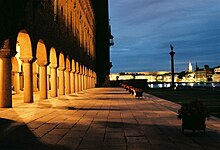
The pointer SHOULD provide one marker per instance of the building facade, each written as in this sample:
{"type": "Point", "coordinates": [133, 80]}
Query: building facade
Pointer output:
{"type": "Point", "coordinates": [48, 45]}
{"type": "Point", "coordinates": [103, 64]}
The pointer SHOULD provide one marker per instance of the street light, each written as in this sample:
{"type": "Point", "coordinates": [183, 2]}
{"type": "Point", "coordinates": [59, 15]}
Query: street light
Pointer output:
{"type": "Point", "coordinates": [172, 53]}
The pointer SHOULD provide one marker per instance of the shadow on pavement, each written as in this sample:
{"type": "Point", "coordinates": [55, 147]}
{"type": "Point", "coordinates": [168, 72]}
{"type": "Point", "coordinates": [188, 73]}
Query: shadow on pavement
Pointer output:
{"type": "Point", "coordinates": [101, 109]}
{"type": "Point", "coordinates": [17, 136]}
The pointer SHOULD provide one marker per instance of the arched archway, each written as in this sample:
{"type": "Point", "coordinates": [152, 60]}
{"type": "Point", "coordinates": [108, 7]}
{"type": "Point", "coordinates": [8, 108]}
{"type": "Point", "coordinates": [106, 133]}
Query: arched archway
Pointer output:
{"type": "Point", "coordinates": [53, 69]}
{"type": "Point", "coordinates": [24, 41]}
{"type": "Point", "coordinates": [26, 56]}
{"type": "Point", "coordinates": [42, 62]}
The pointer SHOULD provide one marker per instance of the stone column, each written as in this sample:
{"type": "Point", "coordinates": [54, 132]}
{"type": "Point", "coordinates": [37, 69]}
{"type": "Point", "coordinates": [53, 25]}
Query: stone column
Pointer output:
{"type": "Point", "coordinates": [83, 81]}
{"type": "Point", "coordinates": [80, 78]}
{"type": "Point", "coordinates": [67, 81]}
{"type": "Point", "coordinates": [35, 78]}
{"type": "Point", "coordinates": [80, 81]}
{"type": "Point", "coordinates": [76, 82]}
{"type": "Point", "coordinates": [48, 79]}
{"type": "Point", "coordinates": [72, 82]}
{"type": "Point", "coordinates": [17, 82]}
{"type": "Point", "coordinates": [43, 81]}
{"type": "Point", "coordinates": [61, 81]}
{"type": "Point", "coordinates": [28, 80]}
{"type": "Point", "coordinates": [35, 89]}
{"type": "Point", "coordinates": [89, 79]}
{"type": "Point", "coordinates": [53, 92]}
{"type": "Point", "coordinates": [5, 79]}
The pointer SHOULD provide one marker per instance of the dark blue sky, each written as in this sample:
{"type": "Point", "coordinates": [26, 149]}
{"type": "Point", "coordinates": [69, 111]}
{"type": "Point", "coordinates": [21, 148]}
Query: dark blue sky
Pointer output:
{"type": "Point", "coordinates": [144, 29]}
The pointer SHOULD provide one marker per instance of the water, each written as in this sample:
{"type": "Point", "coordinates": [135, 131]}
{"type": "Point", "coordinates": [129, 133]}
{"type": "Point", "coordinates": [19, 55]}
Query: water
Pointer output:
{"type": "Point", "coordinates": [184, 84]}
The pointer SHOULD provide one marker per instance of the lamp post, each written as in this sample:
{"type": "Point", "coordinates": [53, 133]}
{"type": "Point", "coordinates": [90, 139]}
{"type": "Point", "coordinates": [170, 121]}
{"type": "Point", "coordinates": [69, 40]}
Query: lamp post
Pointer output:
{"type": "Point", "coordinates": [172, 53]}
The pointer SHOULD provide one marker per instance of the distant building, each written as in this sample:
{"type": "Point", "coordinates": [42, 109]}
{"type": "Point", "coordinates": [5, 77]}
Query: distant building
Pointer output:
{"type": "Point", "coordinates": [190, 68]}
{"type": "Point", "coordinates": [204, 74]}
{"type": "Point", "coordinates": [216, 75]}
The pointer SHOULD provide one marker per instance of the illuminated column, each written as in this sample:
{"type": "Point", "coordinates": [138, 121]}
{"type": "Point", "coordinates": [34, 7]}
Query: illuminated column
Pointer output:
{"type": "Point", "coordinates": [43, 81]}
{"type": "Point", "coordinates": [72, 77]}
{"type": "Point", "coordinates": [79, 82]}
{"type": "Point", "coordinates": [5, 78]}
{"type": "Point", "coordinates": [94, 79]}
{"type": "Point", "coordinates": [77, 77]}
{"type": "Point", "coordinates": [35, 89]}
{"type": "Point", "coordinates": [61, 81]}
{"type": "Point", "coordinates": [89, 79]}
{"type": "Point", "coordinates": [83, 79]}
{"type": "Point", "coordinates": [28, 79]}
{"type": "Point", "coordinates": [80, 78]}
{"type": "Point", "coordinates": [35, 73]}
{"type": "Point", "coordinates": [48, 78]}
{"type": "Point", "coordinates": [72, 82]}
{"type": "Point", "coordinates": [67, 80]}
{"type": "Point", "coordinates": [76, 82]}
{"type": "Point", "coordinates": [17, 82]}
{"type": "Point", "coordinates": [53, 92]}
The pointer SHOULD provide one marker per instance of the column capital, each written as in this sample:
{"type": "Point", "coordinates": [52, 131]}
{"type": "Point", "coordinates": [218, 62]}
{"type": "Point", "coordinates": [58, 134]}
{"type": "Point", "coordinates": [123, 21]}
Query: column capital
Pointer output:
{"type": "Point", "coordinates": [5, 53]}
{"type": "Point", "coordinates": [67, 70]}
{"type": "Point", "coordinates": [42, 63]}
{"type": "Point", "coordinates": [54, 66]}
{"type": "Point", "coordinates": [73, 71]}
{"type": "Point", "coordinates": [26, 59]}
{"type": "Point", "coordinates": [61, 68]}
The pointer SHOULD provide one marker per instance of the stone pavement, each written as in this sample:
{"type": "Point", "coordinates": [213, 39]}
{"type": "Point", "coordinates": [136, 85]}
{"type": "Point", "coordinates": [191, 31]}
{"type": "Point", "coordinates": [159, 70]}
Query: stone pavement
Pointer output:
{"type": "Point", "coordinates": [100, 118]}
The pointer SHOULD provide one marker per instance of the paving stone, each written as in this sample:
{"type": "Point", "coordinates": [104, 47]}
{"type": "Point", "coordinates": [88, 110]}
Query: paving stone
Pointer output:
{"type": "Point", "coordinates": [100, 118]}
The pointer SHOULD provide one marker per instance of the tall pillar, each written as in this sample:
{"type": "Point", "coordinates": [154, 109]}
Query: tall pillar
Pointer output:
{"type": "Point", "coordinates": [17, 82]}
{"type": "Point", "coordinates": [89, 79]}
{"type": "Point", "coordinates": [5, 78]}
{"type": "Point", "coordinates": [35, 82]}
{"type": "Point", "coordinates": [85, 79]}
{"type": "Point", "coordinates": [80, 77]}
{"type": "Point", "coordinates": [80, 81]}
{"type": "Point", "coordinates": [72, 82]}
{"type": "Point", "coordinates": [48, 79]}
{"type": "Point", "coordinates": [67, 81]}
{"type": "Point", "coordinates": [61, 81]}
{"type": "Point", "coordinates": [22, 81]}
{"type": "Point", "coordinates": [76, 82]}
{"type": "Point", "coordinates": [28, 80]}
{"type": "Point", "coordinates": [35, 78]}
{"type": "Point", "coordinates": [43, 81]}
{"type": "Point", "coordinates": [172, 53]}
{"type": "Point", "coordinates": [53, 92]}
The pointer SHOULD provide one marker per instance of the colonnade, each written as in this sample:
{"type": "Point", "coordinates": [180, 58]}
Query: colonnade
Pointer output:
{"type": "Point", "coordinates": [57, 80]}
{"type": "Point", "coordinates": [71, 78]}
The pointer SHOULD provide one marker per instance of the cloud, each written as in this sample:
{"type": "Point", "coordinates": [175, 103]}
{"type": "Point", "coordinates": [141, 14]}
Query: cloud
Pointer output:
{"type": "Point", "coordinates": [144, 29]}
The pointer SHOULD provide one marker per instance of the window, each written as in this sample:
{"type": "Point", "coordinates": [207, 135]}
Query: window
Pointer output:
{"type": "Point", "coordinates": [55, 10]}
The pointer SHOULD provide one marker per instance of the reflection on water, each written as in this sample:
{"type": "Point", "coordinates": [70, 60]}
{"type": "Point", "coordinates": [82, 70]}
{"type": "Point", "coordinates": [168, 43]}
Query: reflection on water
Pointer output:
{"type": "Point", "coordinates": [184, 84]}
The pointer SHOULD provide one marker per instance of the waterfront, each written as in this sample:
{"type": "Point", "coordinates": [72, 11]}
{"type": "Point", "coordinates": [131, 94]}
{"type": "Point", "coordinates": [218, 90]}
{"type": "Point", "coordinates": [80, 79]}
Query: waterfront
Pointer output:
{"type": "Point", "coordinates": [184, 84]}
